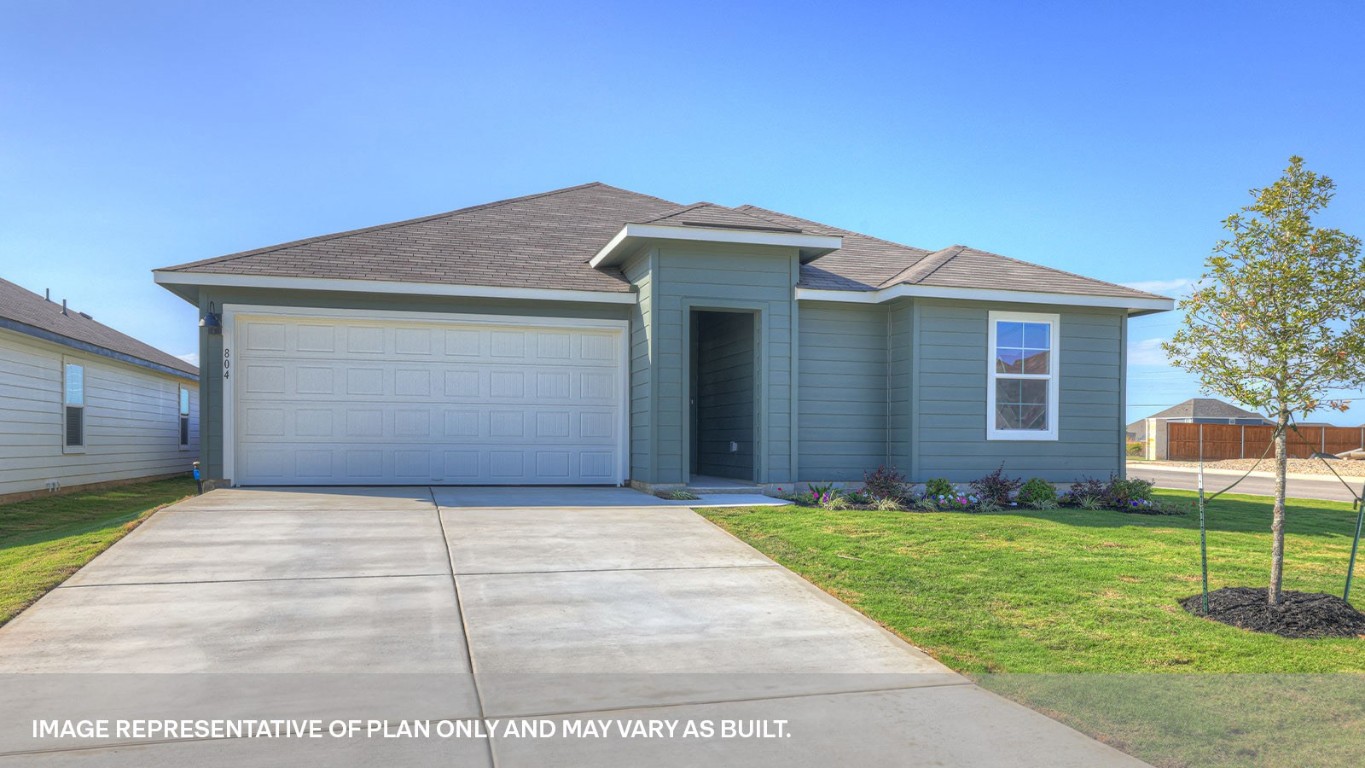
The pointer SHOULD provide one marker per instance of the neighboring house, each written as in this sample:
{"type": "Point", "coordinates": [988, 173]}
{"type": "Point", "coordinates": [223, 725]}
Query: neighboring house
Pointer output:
{"type": "Point", "coordinates": [84, 404]}
{"type": "Point", "coordinates": [1199, 410]}
{"type": "Point", "coordinates": [594, 335]}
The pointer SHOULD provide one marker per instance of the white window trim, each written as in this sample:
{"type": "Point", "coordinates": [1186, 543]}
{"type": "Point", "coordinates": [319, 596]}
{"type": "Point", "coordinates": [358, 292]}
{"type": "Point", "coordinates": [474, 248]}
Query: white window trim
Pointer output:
{"type": "Point", "coordinates": [1054, 376]}
{"type": "Point", "coordinates": [85, 423]}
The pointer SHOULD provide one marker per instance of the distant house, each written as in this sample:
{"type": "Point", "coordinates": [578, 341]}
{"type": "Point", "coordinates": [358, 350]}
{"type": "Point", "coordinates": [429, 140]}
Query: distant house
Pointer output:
{"type": "Point", "coordinates": [1198, 410]}
{"type": "Point", "coordinates": [84, 404]}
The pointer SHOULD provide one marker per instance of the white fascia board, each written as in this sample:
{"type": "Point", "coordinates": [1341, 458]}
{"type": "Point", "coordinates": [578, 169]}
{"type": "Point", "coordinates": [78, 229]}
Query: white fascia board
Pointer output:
{"type": "Point", "coordinates": [614, 251]}
{"type": "Point", "coordinates": [1134, 306]}
{"type": "Point", "coordinates": [205, 279]}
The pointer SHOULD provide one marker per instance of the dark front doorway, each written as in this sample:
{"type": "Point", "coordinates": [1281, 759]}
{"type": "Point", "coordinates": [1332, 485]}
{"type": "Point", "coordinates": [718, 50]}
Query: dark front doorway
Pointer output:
{"type": "Point", "coordinates": [722, 392]}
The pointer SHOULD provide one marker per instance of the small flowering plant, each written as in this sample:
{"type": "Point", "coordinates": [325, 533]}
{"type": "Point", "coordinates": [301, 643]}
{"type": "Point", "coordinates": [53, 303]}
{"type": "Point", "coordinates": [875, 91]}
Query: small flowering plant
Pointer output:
{"type": "Point", "coordinates": [960, 502]}
{"type": "Point", "coordinates": [821, 495]}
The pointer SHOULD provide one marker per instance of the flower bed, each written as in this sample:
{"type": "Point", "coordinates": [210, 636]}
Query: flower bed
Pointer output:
{"type": "Point", "coordinates": [886, 489]}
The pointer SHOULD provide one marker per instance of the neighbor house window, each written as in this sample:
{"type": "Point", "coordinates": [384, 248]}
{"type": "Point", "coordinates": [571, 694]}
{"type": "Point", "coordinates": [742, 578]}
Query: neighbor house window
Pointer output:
{"type": "Point", "coordinates": [73, 398]}
{"type": "Point", "coordinates": [184, 417]}
{"type": "Point", "coordinates": [1021, 396]}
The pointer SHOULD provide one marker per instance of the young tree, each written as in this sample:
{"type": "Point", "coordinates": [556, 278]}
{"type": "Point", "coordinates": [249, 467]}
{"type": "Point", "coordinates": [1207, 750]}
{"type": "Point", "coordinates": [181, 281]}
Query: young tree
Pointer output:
{"type": "Point", "coordinates": [1278, 320]}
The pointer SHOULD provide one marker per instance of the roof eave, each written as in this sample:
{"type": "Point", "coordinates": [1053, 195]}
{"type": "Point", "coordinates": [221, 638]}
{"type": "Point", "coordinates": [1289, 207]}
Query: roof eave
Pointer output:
{"type": "Point", "coordinates": [181, 283]}
{"type": "Point", "coordinates": [1134, 305]}
{"type": "Point", "coordinates": [632, 236]}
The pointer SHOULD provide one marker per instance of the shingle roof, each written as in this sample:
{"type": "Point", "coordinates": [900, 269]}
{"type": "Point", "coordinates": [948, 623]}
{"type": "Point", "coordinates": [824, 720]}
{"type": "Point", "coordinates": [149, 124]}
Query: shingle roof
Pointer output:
{"type": "Point", "coordinates": [536, 241]}
{"type": "Point", "coordinates": [546, 240]}
{"type": "Point", "coordinates": [1205, 408]}
{"type": "Point", "coordinates": [30, 309]}
{"type": "Point", "coordinates": [712, 215]}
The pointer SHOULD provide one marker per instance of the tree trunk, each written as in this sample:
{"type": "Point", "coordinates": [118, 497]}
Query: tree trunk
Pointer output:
{"type": "Point", "coordinates": [1277, 515]}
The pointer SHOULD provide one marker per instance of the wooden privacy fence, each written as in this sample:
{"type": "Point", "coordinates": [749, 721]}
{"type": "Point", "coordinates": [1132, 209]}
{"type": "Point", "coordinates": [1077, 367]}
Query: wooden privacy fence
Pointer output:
{"type": "Point", "coordinates": [1238, 441]}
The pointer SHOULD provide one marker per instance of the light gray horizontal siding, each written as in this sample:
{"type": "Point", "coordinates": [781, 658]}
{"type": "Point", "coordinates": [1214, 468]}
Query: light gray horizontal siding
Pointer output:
{"type": "Point", "coordinates": [951, 382]}
{"type": "Point", "coordinates": [842, 420]}
{"type": "Point", "coordinates": [132, 419]}
{"type": "Point", "coordinates": [642, 382]}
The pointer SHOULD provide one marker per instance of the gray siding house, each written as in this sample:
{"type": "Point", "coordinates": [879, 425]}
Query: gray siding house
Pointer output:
{"type": "Point", "coordinates": [82, 404]}
{"type": "Point", "coordinates": [594, 335]}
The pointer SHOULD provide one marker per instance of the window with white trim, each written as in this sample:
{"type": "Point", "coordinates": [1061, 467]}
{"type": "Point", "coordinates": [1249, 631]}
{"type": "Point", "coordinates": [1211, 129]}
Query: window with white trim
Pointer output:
{"type": "Point", "coordinates": [1021, 394]}
{"type": "Point", "coordinates": [184, 418]}
{"type": "Point", "coordinates": [73, 402]}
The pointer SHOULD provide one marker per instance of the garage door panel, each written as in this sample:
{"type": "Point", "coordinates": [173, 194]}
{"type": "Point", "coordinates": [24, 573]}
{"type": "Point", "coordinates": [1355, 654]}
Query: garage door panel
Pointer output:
{"type": "Point", "coordinates": [414, 402]}
{"type": "Point", "coordinates": [375, 421]}
{"type": "Point", "coordinates": [526, 463]}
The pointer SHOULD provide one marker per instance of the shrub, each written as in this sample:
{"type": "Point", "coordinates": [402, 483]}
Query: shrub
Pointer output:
{"type": "Point", "coordinates": [1124, 492]}
{"type": "Point", "coordinates": [1136, 449]}
{"type": "Point", "coordinates": [682, 494]}
{"type": "Point", "coordinates": [1090, 503]}
{"type": "Point", "coordinates": [859, 498]}
{"type": "Point", "coordinates": [837, 501]}
{"type": "Point", "coordinates": [887, 505]}
{"type": "Point", "coordinates": [996, 487]}
{"type": "Point", "coordinates": [1088, 489]}
{"type": "Point", "coordinates": [885, 483]}
{"type": "Point", "coordinates": [938, 486]}
{"type": "Point", "coordinates": [1038, 493]}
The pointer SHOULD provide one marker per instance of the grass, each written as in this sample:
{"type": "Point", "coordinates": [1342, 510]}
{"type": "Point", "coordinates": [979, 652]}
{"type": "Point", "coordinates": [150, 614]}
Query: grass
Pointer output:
{"type": "Point", "coordinates": [1071, 611]}
{"type": "Point", "coordinates": [46, 539]}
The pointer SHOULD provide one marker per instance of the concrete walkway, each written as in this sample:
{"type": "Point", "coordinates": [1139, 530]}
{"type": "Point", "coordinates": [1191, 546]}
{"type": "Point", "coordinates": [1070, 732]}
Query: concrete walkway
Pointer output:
{"type": "Point", "coordinates": [574, 605]}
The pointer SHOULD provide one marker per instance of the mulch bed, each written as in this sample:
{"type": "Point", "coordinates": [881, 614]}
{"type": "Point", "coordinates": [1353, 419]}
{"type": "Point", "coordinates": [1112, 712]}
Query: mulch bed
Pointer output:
{"type": "Point", "coordinates": [1300, 614]}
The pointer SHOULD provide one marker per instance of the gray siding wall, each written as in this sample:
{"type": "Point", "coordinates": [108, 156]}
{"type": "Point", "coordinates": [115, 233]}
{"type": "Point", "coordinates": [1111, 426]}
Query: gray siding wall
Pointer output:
{"type": "Point", "coordinates": [723, 343]}
{"type": "Point", "coordinates": [900, 330]}
{"type": "Point", "coordinates": [950, 390]}
{"type": "Point", "coordinates": [701, 276]}
{"type": "Point", "coordinates": [640, 273]}
{"type": "Point", "coordinates": [211, 347]}
{"type": "Point", "coordinates": [844, 390]}
{"type": "Point", "coordinates": [132, 418]}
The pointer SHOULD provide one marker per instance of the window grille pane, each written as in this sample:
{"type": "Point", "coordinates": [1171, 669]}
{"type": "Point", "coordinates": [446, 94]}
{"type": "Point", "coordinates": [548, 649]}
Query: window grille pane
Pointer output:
{"type": "Point", "coordinates": [75, 426]}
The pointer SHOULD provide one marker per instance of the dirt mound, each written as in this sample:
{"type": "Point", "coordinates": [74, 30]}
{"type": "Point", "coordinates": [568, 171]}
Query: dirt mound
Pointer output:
{"type": "Point", "coordinates": [1300, 614]}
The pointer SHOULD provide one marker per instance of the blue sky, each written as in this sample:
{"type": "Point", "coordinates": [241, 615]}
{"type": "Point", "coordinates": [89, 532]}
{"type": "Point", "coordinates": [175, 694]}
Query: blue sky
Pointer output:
{"type": "Point", "coordinates": [1104, 138]}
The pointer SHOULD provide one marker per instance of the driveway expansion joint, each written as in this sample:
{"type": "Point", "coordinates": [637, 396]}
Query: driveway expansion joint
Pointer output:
{"type": "Point", "coordinates": [251, 581]}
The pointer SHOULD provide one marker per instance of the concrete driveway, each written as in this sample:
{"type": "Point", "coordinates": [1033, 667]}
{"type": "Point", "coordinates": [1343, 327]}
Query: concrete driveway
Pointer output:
{"type": "Point", "coordinates": [570, 605]}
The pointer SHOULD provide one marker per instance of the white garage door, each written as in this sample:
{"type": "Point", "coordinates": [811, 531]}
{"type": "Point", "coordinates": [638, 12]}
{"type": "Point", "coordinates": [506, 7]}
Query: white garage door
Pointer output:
{"type": "Point", "coordinates": [365, 400]}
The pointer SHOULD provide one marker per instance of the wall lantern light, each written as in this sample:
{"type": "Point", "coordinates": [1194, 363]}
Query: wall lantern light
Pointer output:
{"type": "Point", "coordinates": [211, 321]}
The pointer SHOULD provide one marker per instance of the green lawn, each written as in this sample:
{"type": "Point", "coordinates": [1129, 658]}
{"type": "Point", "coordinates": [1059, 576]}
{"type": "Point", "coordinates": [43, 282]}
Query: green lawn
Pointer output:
{"type": "Point", "coordinates": [1071, 611]}
{"type": "Point", "coordinates": [45, 540]}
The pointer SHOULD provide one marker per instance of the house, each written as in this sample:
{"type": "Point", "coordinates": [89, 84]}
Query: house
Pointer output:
{"type": "Point", "coordinates": [84, 404]}
{"type": "Point", "coordinates": [594, 335]}
{"type": "Point", "coordinates": [1198, 410]}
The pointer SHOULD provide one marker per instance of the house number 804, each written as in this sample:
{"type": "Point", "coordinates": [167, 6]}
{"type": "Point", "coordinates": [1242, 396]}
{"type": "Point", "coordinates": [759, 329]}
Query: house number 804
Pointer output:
{"type": "Point", "coordinates": [227, 363]}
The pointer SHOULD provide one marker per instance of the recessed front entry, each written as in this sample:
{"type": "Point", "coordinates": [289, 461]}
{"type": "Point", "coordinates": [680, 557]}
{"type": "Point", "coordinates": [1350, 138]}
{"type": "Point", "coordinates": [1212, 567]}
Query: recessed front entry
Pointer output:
{"type": "Point", "coordinates": [722, 394]}
{"type": "Point", "coordinates": [356, 400]}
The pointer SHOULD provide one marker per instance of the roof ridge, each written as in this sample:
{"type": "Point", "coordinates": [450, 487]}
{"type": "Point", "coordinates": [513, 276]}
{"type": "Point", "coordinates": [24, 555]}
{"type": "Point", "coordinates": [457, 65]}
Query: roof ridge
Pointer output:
{"type": "Point", "coordinates": [676, 212]}
{"type": "Point", "coordinates": [922, 269]}
{"type": "Point", "coordinates": [840, 230]}
{"type": "Point", "coordinates": [379, 227]}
